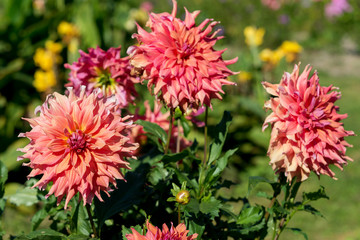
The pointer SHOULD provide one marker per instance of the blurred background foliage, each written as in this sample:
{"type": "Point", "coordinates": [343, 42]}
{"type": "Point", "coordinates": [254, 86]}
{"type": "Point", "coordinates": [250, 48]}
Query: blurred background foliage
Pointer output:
{"type": "Point", "coordinates": [29, 25]}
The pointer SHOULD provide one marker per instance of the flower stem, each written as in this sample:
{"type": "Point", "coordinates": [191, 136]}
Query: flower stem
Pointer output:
{"type": "Point", "coordinates": [178, 137]}
{"type": "Point", "coordinates": [205, 136]}
{"type": "Point", "coordinates": [88, 209]}
{"type": "Point", "coordinates": [169, 132]}
{"type": "Point", "coordinates": [179, 215]}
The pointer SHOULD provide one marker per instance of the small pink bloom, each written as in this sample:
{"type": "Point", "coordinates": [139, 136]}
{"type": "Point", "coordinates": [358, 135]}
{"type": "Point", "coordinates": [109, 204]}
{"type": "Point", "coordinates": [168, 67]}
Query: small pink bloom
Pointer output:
{"type": "Point", "coordinates": [154, 233]}
{"type": "Point", "coordinates": [161, 119]}
{"type": "Point", "coordinates": [337, 8]}
{"type": "Point", "coordinates": [104, 70]}
{"type": "Point", "coordinates": [79, 143]}
{"type": "Point", "coordinates": [178, 59]}
{"type": "Point", "coordinates": [307, 134]}
{"type": "Point", "coordinates": [272, 4]}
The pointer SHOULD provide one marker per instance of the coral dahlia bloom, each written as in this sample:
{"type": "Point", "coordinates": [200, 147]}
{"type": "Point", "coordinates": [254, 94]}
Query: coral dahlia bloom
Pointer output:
{"type": "Point", "coordinates": [178, 59]}
{"type": "Point", "coordinates": [307, 134]}
{"type": "Point", "coordinates": [161, 119]}
{"type": "Point", "coordinates": [104, 70]}
{"type": "Point", "coordinates": [154, 233]}
{"type": "Point", "coordinates": [79, 144]}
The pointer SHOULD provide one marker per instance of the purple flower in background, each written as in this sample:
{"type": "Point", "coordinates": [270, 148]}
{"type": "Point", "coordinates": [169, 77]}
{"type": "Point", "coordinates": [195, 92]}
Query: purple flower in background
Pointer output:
{"type": "Point", "coordinates": [337, 8]}
{"type": "Point", "coordinates": [284, 19]}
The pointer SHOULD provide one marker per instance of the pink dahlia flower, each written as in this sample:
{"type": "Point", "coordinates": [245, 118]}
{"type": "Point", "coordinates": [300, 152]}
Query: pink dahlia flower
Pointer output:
{"type": "Point", "coordinates": [178, 59]}
{"type": "Point", "coordinates": [161, 119]}
{"type": "Point", "coordinates": [307, 134]}
{"type": "Point", "coordinates": [154, 233]}
{"type": "Point", "coordinates": [79, 144]}
{"type": "Point", "coordinates": [104, 70]}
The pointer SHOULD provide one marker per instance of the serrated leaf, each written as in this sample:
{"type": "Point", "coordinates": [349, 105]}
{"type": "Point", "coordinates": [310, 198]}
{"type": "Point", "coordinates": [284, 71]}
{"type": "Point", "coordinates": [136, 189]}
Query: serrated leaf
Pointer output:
{"type": "Point", "coordinates": [38, 217]}
{"type": "Point", "coordinates": [193, 206]}
{"type": "Point", "coordinates": [250, 215]}
{"type": "Point", "coordinates": [313, 196]}
{"type": "Point", "coordinates": [219, 134]}
{"type": "Point", "coordinates": [157, 174]}
{"type": "Point", "coordinates": [182, 178]}
{"type": "Point", "coordinates": [153, 129]}
{"type": "Point", "coordinates": [312, 210]}
{"type": "Point", "coordinates": [77, 236]}
{"type": "Point", "coordinates": [210, 206]}
{"type": "Point", "coordinates": [194, 227]}
{"type": "Point", "coordinates": [26, 196]}
{"type": "Point", "coordinates": [298, 231]}
{"type": "Point", "coordinates": [80, 222]}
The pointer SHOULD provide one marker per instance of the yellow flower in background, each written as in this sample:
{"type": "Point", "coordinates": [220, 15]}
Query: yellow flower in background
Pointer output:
{"type": "Point", "coordinates": [244, 76]}
{"type": "Point", "coordinates": [44, 59]}
{"type": "Point", "coordinates": [270, 56]}
{"type": "Point", "coordinates": [291, 50]}
{"type": "Point", "coordinates": [44, 80]}
{"type": "Point", "coordinates": [68, 29]}
{"type": "Point", "coordinates": [53, 46]}
{"type": "Point", "coordinates": [254, 36]}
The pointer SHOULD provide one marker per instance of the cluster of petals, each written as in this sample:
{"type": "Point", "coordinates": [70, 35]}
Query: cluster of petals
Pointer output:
{"type": "Point", "coordinates": [105, 70]}
{"type": "Point", "coordinates": [178, 59]}
{"type": "Point", "coordinates": [154, 233]}
{"type": "Point", "coordinates": [337, 8]}
{"type": "Point", "coordinates": [79, 143]}
{"type": "Point", "coordinates": [307, 134]}
{"type": "Point", "coordinates": [161, 119]}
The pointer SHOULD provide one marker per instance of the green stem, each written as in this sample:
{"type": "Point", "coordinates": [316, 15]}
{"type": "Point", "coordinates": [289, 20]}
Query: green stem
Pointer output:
{"type": "Point", "coordinates": [205, 136]}
{"type": "Point", "coordinates": [178, 137]}
{"type": "Point", "coordinates": [88, 209]}
{"type": "Point", "coordinates": [179, 215]}
{"type": "Point", "coordinates": [274, 232]}
{"type": "Point", "coordinates": [169, 132]}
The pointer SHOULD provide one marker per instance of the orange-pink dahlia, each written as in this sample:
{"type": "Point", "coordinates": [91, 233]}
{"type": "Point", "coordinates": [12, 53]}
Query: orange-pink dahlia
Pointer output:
{"type": "Point", "coordinates": [178, 59]}
{"type": "Point", "coordinates": [104, 70]}
{"type": "Point", "coordinates": [79, 143]}
{"type": "Point", "coordinates": [306, 131]}
{"type": "Point", "coordinates": [154, 233]}
{"type": "Point", "coordinates": [161, 119]}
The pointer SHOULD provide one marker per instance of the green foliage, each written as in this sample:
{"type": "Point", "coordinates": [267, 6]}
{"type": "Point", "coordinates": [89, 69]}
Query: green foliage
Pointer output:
{"type": "Point", "coordinates": [155, 133]}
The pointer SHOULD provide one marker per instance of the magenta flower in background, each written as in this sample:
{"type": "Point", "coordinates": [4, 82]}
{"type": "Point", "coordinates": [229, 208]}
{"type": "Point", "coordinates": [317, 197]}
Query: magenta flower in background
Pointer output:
{"type": "Point", "coordinates": [336, 8]}
{"type": "Point", "coordinates": [79, 143]}
{"type": "Point", "coordinates": [178, 59]}
{"type": "Point", "coordinates": [104, 70]}
{"type": "Point", "coordinates": [307, 134]}
{"type": "Point", "coordinates": [272, 4]}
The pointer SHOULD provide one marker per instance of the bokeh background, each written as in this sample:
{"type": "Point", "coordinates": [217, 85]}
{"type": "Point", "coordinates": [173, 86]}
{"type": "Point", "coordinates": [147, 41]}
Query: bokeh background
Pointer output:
{"type": "Point", "coordinates": [38, 36]}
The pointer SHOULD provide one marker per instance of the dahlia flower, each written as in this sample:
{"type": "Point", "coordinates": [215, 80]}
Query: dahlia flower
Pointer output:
{"type": "Point", "coordinates": [79, 144]}
{"type": "Point", "coordinates": [307, 134]}
{"type": "Point", "coordinates": [178, 59]}
{"type": "Point", "coordinates": [104, 70]}
{"type": "Point", "coordinates": [161, 119]}
{"type": "Point", "coordinates": [154, 233]}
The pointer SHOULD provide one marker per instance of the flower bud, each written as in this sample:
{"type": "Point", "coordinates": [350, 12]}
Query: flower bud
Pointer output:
{"type": "Point", "coordinates": [183, 197]}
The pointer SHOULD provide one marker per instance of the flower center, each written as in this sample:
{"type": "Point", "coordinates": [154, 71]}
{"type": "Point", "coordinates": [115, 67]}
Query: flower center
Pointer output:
{"type": "Point", "coordinates": [185, 51]}
{"type": "Point", "coordinates": [104, 81]}
{"type": "Point", "coordinates": [77, 141]}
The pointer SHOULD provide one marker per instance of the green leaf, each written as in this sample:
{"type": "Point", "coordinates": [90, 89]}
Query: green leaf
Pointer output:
{"type": "Point", "coordinates": [43, 234]}
{"type": "Point", "coordinates": [80, 221]}
{"type": "Point", "coordinates": [250, 215]}
{"type": "Point", "coordinates": [223, 161]}
{"type": "Point", "coordinates": [210, 206]}
{"type": "Point", "coordinates": [26, 196]}
{"type": "Point", "coordinates": [37, 219]}
{"type": "Point", "coordinates": [313, 196]}
{"type": "Point", "coordinates": [312, 210]}
{"type": "Point", "coordinates": [175, 157]}
{"type": "Point", "coordinates": [183, 178]}
{"type": "Point", "coordinates": [153, 129]}
{"type": "Point", "coordinates": [125, 196]}
{"type": "Point", "coordinates": [219, 134]}
{"type": "Point", "coordinates": [3, 178]}
{"type": "Point", "coordinates": [298, 231]}
{"type": "Point", "coordinates": [77, 236]}
{"type": "Point", "coordinates": [194, 227]}
{"type": "Point", "coordinates": [157, 173]}
{"type": "Point", "coordinates": [185, 125]}
{"type": "Point", "coordinates": [193, 206]}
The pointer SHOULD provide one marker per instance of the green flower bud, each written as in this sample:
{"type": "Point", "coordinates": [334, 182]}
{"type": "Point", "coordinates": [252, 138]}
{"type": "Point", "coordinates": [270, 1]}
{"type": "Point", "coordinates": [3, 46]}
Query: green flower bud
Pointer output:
{"type": "Point", "coordinates": [183, 197]}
